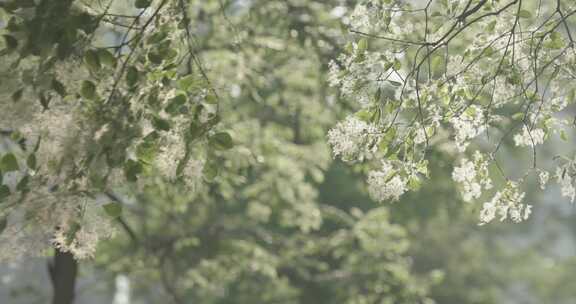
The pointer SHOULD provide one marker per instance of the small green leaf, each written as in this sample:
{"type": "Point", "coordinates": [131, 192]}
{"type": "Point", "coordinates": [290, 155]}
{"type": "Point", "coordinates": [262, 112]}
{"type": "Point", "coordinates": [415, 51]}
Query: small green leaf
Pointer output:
{"type": "Point", "coordinates": [563, 135]}
{"type": "Point", "coordinates": [17, 95]}
{"type": "Point", "coordinates": [155, 58]}
{"type": "Point", "coordinates": [23, 184]}
{"type": "Point", "coordinates": [174, 106]}
{"type": "Point", "coordinates": [106, 58]}
{"type": "Point", "coordinates": [88, 90]}
{"type": "Point", "coordinates": [211, 98]}
{"type": "Point", "coordinates": [556, 41]}
{"type": "Point", "coordinates": [132, 169]}
{"type": "Point", "coordinates": [414, 183]}
{"type": "Point", "coordinates": [58, 87]}
{"type": "Point", "coordinates": [92, 60]}
{"type": "Point", "coordinates": [132, 76]}
{"type": "Point", "coordinates": [362, 45]}
{"type": "Point", "coordinates": [161, 124]}
{"type": "Point", "coordinates": [31, 162]}
{"type": "Point", "coordinates": [9, 163]}
{"type": "Point", "coordinates": [186, 82]}
{"type": "Point", "coordinates": [11, 42]}
{"type": "Point", "coordinates": [157, 37]}
{"type": "Point", "coordinates": [524, 14]}
{"type": "Point", "coordinates": [3, 224]}
{"type": "Point", "coordinates": [44, 100]}
{"type": "Point", "coordinates": [221, 141]}
{"type": "Point", "coordinates": [142, 3]}
{"type": "Point", "coordinates": [518, 116]}
{"type": "Point", "coordinates": [4, 192]}
{"type": "Point", "coordinates": [210, 171]}
{"type": "Point", "coordinates": [113, 210]}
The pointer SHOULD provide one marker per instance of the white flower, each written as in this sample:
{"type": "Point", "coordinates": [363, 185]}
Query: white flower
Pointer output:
{"type": "Point", "coordinates": [420, 137]}
{"type": "Point", "coordinates": [386, 184]}
{"type": "Point", "coordinates": [543, 178]}
{"type": "Point", "coordinates": [354, 139]}
{"type": "Point", "coordinates": [529, 137]}
{"type": "Point", "coordinates": [506, 204]}
{"type": "Point", "coordinates": [472, 176]}
{"type": "Point", "coordinates": [467, 126]}
{"type": "Point", "coordinates": [566, 186]}
{"type": "Point", "coordinates": [488, 212]}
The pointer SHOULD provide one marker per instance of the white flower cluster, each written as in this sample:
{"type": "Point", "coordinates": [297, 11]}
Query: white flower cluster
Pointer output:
{"type": "Point", "coordinates": [486, 85]}
{"type": "Point", "coordinates": [354, 139]}
{"type": "Point", "coordinates": [467, 126]}
{"type": "Point", "coordinates": [543, 178]}
{"type": "Point", "coordinates": [386, 185]}
{"type": "Point", "coordinates": [368, 16]}
{"type": "Point", "coordinates": [564, 178]}
{"type": "Point", "coordinates": [507, 204]}
{"type": "Point", "coordinates": [473, 176]}
{"type": "Point", "coordinates": [71, 223]}
{"type": "Point", "coordinates": [393, 179]}
{"type": "Point", "coordinates": [529, 138]}
{"type": "Point", "coordinates": [79, 234]}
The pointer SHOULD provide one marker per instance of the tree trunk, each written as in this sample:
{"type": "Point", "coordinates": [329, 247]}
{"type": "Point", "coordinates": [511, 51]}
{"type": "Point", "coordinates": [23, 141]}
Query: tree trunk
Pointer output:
{"type": "Point", "coordinates": [63, 270]}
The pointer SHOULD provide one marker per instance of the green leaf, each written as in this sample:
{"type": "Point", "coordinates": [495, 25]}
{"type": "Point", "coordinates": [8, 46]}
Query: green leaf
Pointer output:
{"type": "Point", "coordinates": [17, 95]}
{"type": "Point", "coordinates": [44, 100]}
{"type": "Point", "coordinates": [142, 3]}
{"type": "Point", "coordinates": [155, 57]}
{"type": "Point", "coordinates": [88, 90]}
{"type": "Point", "coordinates": [132, 76]}
{"type": "Point", "coordinates": [92, 60]}
{"type": "Point", "coordinates": [414, 183]}
{"type": "Point", "coordinates": [563, 135]}
{"type": "Point", "coordinates": [556, 41]}
{"type": "Point", "coordinates": [58, 87]}
{"type": "Point", "coordinates": [9, 163]}
{"type": "Point", "coordinates": [11, 42]}
{"type": "Point", "coordinates": [23, 184]}
{"type": "Point", "coordinates": [113, 209]}
{"type": "Point", "coordinates": [221, 141]}
{"type": "Point", "coordinates": [3, 224]}
{"type": "Point", "coordinates": [211, 98]}
{"type": "Point", "coordinates": [157, 37]}
{"type": "Point", "coordinates": [362, 45]}
{"type": "Point", "coordinates": [210, 171]}
{"type": "Point", "coordinates": [132, 169]}
{"type": "Point", "coordinates": [106, 58]}
{"type": "Point", "coordinates": [186, 82]}
{"type": "Point", "coordinates": [524, 14]}
{"type": "Point", "coordinates": [195, 131]}
{"type": "Point", "coordinates": [161, 124]}
{"type": "Point", "coordinates": [4, 192]}
{"type": "Point", "coordinates": [31, 162]}
{"type": "Point", "coordinates": [174, 106]}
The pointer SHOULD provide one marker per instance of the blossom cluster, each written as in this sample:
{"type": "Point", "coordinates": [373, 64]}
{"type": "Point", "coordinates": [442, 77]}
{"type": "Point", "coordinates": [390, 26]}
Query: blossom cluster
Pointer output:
{"type": "Point", "coordinates": [466, 88]}
{"type": "Point", "coordinates": [473, 176]}
{"type": "Point", "coordinates": [507, 204]}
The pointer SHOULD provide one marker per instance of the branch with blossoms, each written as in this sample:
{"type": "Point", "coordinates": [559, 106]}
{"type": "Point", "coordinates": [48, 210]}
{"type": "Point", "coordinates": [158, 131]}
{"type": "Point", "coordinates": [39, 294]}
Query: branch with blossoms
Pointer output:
{"type": "Point", "coordinates": [477, 74]}
{"type": "Point", "coordinates": [90, 118]}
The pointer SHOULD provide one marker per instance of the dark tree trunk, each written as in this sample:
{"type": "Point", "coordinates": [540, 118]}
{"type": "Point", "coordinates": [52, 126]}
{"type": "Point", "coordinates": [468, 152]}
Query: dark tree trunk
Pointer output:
{"type": "Point", "coordinates": [63, 270]}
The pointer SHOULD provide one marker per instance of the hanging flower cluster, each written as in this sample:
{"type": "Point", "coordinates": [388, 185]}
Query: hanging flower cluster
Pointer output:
{"type": "Point", "coordinates": [91, 119]}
